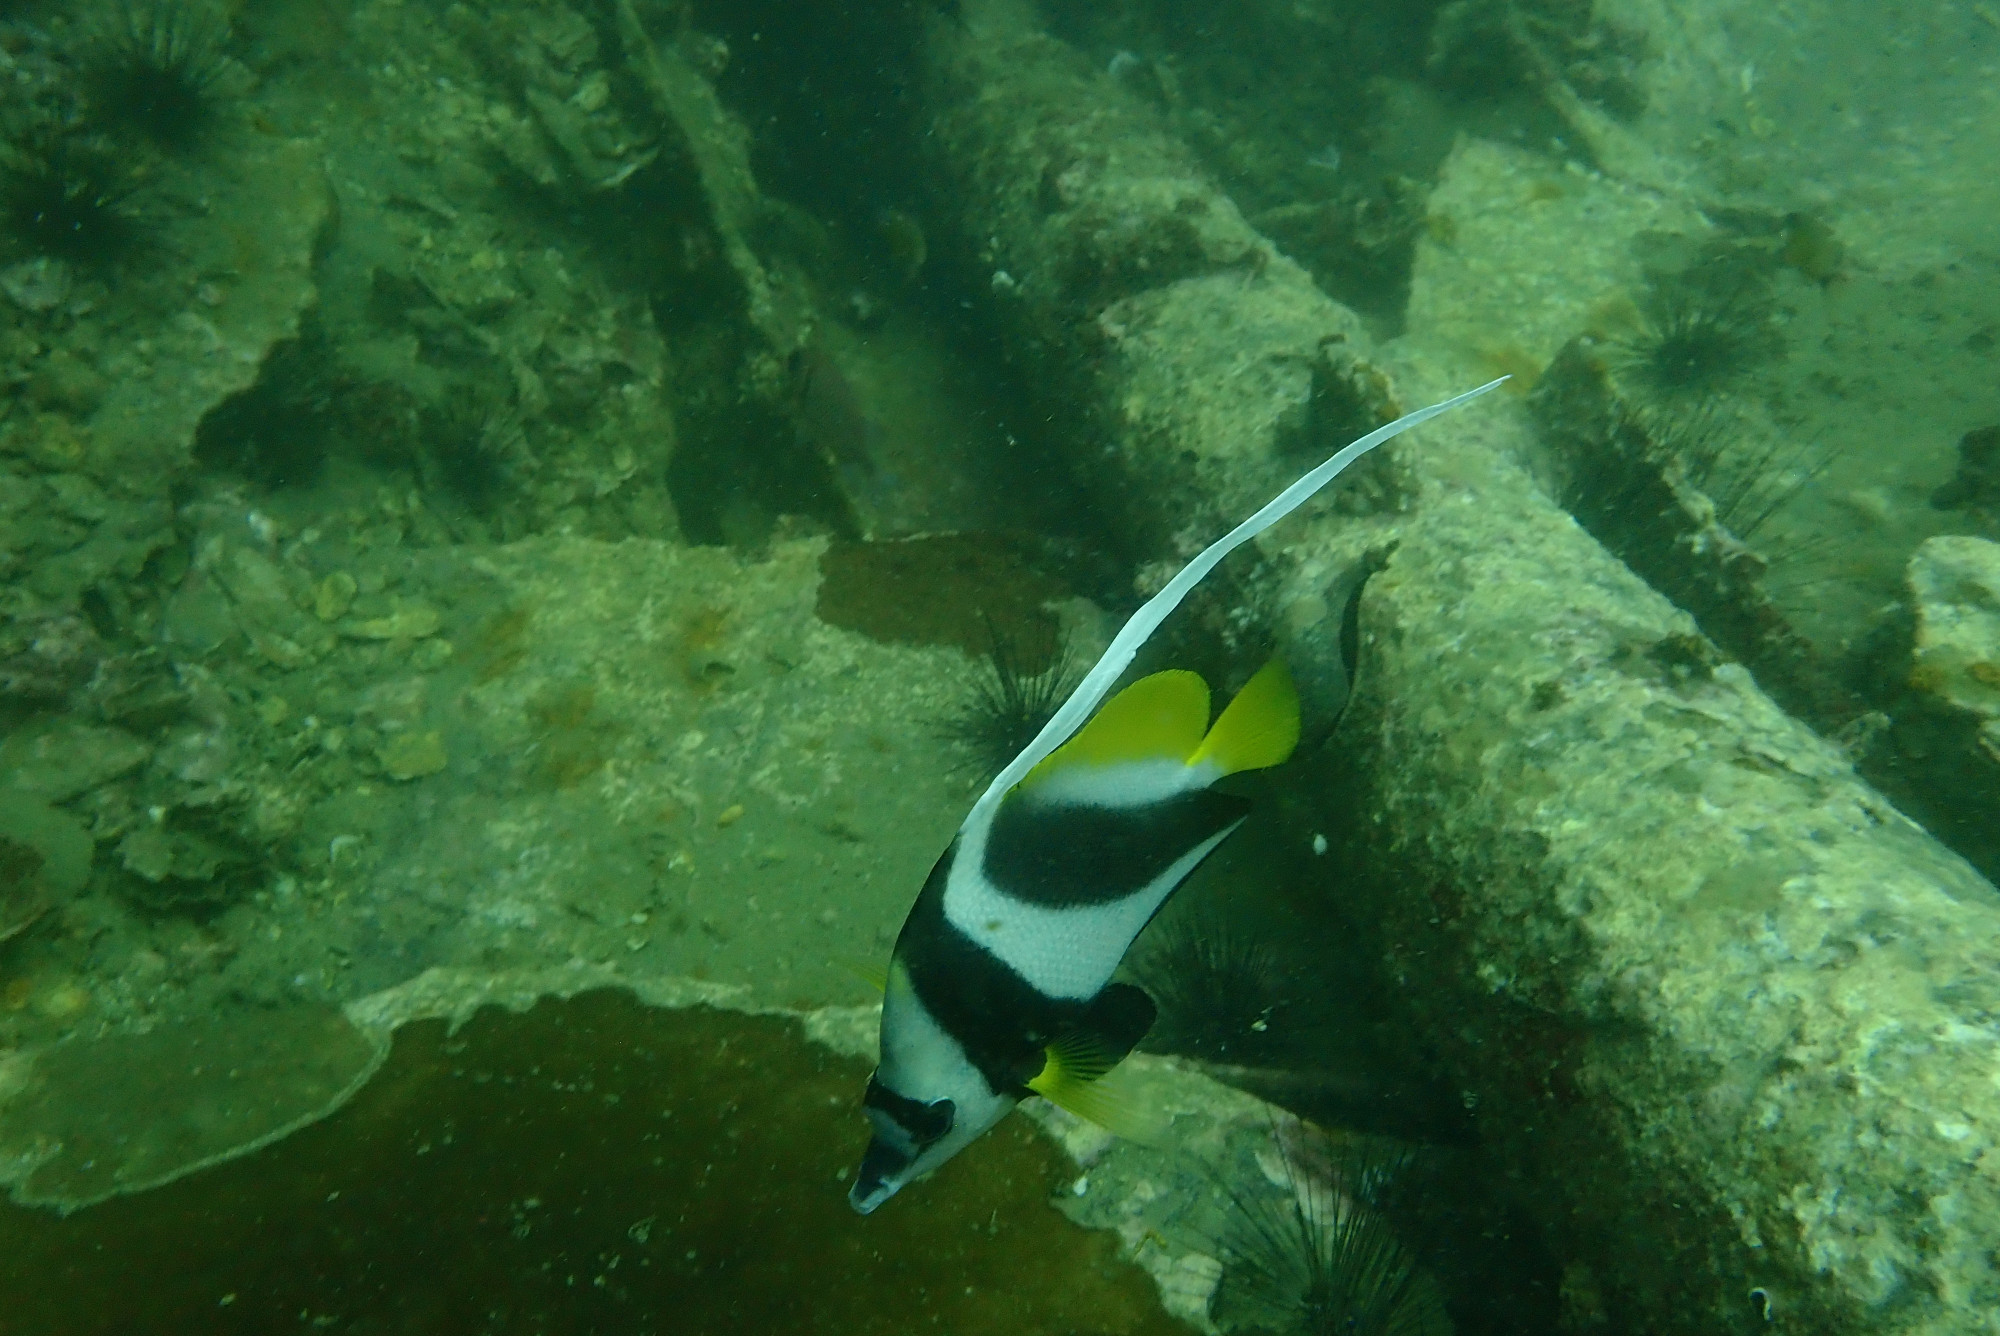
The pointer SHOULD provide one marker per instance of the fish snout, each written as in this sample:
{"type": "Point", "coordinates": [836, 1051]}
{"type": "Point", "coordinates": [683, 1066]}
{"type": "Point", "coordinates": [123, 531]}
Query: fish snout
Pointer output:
{"type": "Point", "coordinates": [884, 1169]}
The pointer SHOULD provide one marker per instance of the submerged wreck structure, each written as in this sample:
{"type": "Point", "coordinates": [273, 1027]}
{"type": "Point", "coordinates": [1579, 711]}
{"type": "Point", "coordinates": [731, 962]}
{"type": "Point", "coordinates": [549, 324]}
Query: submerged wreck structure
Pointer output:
{"type": "Point", "coordinates": [1726, 1013]}
{"type": "Point", "coordinates": [522, 567]}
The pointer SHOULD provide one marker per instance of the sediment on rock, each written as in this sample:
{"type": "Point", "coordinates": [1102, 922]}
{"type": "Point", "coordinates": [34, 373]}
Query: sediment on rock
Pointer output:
{"type": "Point", "coordinates": [1719, 1003]}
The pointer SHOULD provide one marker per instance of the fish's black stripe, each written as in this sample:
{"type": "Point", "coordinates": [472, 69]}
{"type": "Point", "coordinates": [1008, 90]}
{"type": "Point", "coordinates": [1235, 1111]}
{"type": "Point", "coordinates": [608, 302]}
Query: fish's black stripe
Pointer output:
{"type": "Point", "coordinates": [1066, 854]}
{"type": "Point", "coordinates": [1002, 1021]}
{"type": "Point", "coordinates": [926, 1123]}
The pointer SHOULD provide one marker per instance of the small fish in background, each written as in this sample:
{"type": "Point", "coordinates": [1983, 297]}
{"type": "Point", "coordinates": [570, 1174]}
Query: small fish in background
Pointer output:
{"type": "Point", "coordinates": [1000, 982]}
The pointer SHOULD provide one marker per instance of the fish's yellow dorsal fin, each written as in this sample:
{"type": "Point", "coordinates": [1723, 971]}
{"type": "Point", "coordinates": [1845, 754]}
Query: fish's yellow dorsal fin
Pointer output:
{"type": "Point", "coordinates": [1259, 728]}
{"type": "Point", "coordinates": [1161, 716]}
{"type": "Point", "coordinates": [1079, 1077]}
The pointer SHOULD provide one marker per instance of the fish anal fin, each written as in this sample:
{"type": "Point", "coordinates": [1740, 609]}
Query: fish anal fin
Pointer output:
{"type": "Point", "coordinates": [1259, 728]}
{"type": "Point", "coordinates": [1160, 716]}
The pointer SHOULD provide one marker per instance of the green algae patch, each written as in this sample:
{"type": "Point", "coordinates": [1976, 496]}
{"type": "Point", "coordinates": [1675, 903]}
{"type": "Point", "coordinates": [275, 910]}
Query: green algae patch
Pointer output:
{"type": "Point", "coordinates": [590, 1165]}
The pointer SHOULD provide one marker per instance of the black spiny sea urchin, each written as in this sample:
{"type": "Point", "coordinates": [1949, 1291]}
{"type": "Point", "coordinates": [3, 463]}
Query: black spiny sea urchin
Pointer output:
{"type": "Point", "coordinates": [1219, 992]}
{"type": "Point", "coordinates": [67, 194]}
{"type": "Point", "coordinates": [1007, 703]}
{"type": "Point", "coordinates": [1698, 339]}
{"type": "Point", "coordinates": [157, 68]}
{"type": "Point", "coordinates": [1319, 1258]}
{"type": "Point", "coordinates": [469, 448]}
{"type": "Point", "coordinates": [1750, 476]}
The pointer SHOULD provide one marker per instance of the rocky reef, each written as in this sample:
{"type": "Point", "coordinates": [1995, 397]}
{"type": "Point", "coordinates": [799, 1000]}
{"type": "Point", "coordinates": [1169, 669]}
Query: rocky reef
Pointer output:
{"type": "Point", "coordinates": [513, 505]}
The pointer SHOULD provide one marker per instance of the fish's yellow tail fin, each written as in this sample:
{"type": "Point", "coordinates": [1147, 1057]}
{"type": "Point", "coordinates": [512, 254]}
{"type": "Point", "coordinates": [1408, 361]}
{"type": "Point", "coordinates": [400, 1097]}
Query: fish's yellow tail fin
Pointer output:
{"type": "Point", "coordinates": [1260, 727]}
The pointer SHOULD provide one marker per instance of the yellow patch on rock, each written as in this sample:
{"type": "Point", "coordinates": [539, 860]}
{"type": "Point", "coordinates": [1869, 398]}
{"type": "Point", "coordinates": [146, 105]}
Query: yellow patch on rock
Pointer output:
{"type": "Point", "coordinates": [408, 621]}
{"type": "Point", "coordinates": [413, 755]}
{"type": "Point", "coordinates": [333, 596]}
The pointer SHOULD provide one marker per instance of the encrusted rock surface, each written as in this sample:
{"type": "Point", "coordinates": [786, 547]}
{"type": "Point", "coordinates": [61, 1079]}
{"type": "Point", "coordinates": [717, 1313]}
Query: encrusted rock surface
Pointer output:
{"type": "Point", "coordinates": [635, 759]}
{"type": "Point", "coordinates": [1955, 586]}
{"type": "Point", "coordinates": [1211, 368]}
{"type": "Point", "coordinates": [1725, 1009]}
{"type": "Point", "coordinates": [1710, 988]}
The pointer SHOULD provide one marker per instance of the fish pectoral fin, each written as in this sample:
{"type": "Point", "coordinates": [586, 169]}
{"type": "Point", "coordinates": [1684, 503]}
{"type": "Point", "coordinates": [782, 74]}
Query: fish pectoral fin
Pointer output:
{"type": "Point", "coordinates": [1108, 1099]}
{"type": "Point", "coordinates": [1117, 1019]}
{"type": "Point", "coordinates": [1259, 728]}
{"type": "Point", "coordinates": [1080, 1072]}
{"type": "Point", "coordinates": [1100, 1034]}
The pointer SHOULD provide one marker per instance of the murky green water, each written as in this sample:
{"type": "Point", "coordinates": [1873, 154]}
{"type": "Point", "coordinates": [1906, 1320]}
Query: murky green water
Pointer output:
{"type": "Point", "coordinates": [574, 500]}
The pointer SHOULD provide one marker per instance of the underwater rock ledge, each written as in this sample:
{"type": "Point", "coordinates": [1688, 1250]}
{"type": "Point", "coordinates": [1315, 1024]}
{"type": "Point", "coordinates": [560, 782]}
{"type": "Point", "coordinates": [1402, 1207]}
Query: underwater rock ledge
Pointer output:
{"type": "Point", "coordinates": [1706, 984]}
{"type": "Point", "coordinates": [545, 1152]}
{"type": "Point", "coordinates": [1725, 1012]}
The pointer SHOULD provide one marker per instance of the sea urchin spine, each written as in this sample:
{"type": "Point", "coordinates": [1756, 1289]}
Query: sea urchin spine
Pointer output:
{"type": "Point", "coordinates": [1321, 1259]}
{"type": "Point", "coordinates": [66, 194]}
{"type": "Point", "coordinates": [158, 69]}
{"type": "Point", "coordinates": [1698, 339]}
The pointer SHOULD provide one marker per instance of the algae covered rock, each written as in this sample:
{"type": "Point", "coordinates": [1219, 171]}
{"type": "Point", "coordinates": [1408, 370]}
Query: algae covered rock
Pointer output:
{"type": "Point", "coordinates": [519, 379]}
{"type": "Point", "coordinates": [1946, 664]}
{"type": "Point", "coordinates": [1955, 586]}
{"type": "Point", "coordinates": [62, 758]}
{"type": "Point", "coordinates": [121, 378]}
{"type": "Point", "coordinates": [414, 755]}
{"type": "Point", "coordinates": [45, 857]}
{"type": "Point", "coordinates": [160, 362]}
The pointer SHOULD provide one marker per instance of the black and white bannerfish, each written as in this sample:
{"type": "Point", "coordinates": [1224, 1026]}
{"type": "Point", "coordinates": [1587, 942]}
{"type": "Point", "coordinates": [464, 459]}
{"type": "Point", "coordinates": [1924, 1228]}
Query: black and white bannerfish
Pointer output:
{"type": "Point", "coordinates": [1000, 983]}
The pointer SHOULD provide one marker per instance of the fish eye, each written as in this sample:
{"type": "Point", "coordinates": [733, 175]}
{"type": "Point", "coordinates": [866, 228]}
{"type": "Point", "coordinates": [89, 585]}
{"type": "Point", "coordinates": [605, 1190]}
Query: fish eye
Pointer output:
{"type": "Point", "coordinates": [925, 1122]}
{"type": "Point", "coordinates": [938, 1117]}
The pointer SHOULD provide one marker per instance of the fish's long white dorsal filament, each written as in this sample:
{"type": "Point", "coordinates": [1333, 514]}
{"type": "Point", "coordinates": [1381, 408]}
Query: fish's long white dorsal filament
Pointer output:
{"type": "Point", "coordinates": [1104, 674]}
